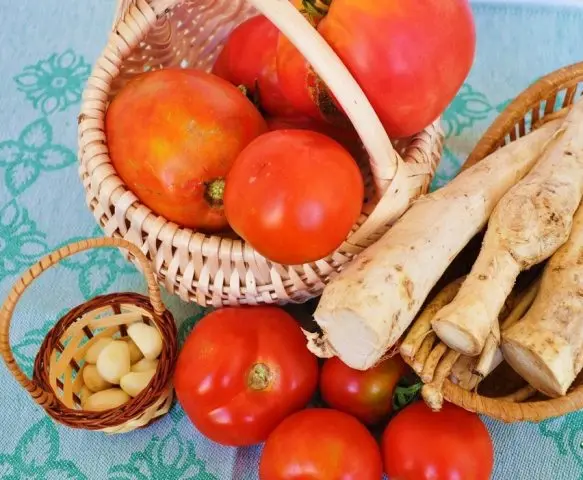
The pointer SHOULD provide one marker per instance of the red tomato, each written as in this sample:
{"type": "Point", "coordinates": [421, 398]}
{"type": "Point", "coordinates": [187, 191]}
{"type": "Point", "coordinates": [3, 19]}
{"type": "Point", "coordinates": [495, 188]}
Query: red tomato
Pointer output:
{"type": "Point", "coordinates": [368, 395]}
{"type": "Point", "coordinates": [248, 58]}
{"type": "Point", "coordinates": [407, 64]}
{"type": "Point", "coordinates": [451, 444]}
{"type": "Point", "coordinates": [173, 135]}
{"type": "Point", "coordinates": [242, 371]}
{"type": "Point", "coordinates": [320, 444]}
{"type": "Point", "coordinates": [294, 195]}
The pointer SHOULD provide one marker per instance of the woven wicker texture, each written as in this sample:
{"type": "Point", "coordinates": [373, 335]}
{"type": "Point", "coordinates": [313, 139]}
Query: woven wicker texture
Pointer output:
{"type": "Point", "coordinates": [213, 270]}
{"type": "Point", "coordinates": [503, 395]}
{"type": "Point", "coordinates": [57, 380]}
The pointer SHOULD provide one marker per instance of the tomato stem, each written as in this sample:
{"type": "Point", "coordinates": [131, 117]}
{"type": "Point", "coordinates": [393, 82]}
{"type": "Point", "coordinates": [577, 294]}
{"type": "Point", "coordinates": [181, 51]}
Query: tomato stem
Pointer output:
{"type": "Point", "coordinates": [315, 10]}
{"type": "Point", "coordinates": [215, 189]}
{"type": "Point", "coordinates": [259, 377]}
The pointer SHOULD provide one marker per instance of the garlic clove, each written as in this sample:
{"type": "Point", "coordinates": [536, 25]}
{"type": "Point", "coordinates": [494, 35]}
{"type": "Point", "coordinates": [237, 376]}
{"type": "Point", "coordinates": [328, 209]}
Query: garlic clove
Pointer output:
{"type": "Point", "coordinates": [106, 399]}
{"type": "Point", "coordinates": [147, 338]}
{"type": "Point", "coordinates": [84, 394]}
{"type": "Point", "coordinates": [134, 382]}
{"type": "Point", "coordinates": [92, 380]}
{"type": "Point", "coordinates": [114, 361]}
{"type": "Point", "coordinates": [95, 349]}
{"type": "Point", "coordinates": [135, 353]}
{"type": "Point", "coordinates": [144, 365]}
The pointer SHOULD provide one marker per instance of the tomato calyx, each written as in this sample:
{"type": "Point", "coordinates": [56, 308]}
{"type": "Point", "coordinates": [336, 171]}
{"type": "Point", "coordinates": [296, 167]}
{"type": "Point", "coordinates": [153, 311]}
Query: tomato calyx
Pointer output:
{"type": "Point", "coordinates": [259, 377]}
{"type": "Point", "coordinates": [214, 191]}
{"type": "Point", "coordinates": [315, 10]}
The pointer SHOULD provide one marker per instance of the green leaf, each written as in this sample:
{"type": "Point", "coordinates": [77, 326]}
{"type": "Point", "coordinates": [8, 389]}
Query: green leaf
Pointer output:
{"type": "Point", "coordinates": [95, 279]}
{"type": "Point", "coordinates": [37, 135]}
{"type": "Point", "coordinates": [20, 176]}
{"type": "Point", "coordinates": [38, 446]}
{"type": "Point", "coordinates": [406, 393]}
{"type": "Point", "coordinates": [10, 153]}
{"type": "Point", "coordinates": [55, 157]}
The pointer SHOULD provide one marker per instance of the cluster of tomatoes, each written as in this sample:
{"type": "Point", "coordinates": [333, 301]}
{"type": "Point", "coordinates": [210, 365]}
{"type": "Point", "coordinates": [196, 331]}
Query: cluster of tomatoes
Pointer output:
{"type": "Point", "coordinates": [245, 376]}
{"type": "Point", "coordinates": [260, 146]}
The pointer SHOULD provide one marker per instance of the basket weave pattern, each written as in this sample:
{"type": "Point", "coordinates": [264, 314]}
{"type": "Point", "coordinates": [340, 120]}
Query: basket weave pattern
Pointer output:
{"type": "Point", "coordinates": [213, 270]}
{"type": "Point", "coordinates": [57, 381]}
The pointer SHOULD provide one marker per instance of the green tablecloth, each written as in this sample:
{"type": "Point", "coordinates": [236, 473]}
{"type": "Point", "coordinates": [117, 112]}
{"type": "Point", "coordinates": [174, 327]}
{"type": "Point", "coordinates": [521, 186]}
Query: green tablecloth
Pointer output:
{"type": "Point", "coordinates": [46, 51]}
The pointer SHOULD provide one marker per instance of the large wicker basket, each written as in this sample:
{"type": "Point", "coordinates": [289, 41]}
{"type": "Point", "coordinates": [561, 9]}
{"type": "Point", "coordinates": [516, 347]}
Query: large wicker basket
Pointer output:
{"type": "Point", "coordinates": [503, 395]}
{"type": "Point", "coordinates": [212, 270]}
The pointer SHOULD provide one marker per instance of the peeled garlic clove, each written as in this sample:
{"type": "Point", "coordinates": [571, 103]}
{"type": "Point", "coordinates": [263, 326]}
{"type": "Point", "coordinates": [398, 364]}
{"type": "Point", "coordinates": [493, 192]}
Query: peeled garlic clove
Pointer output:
{"type": "Point", "coordinates": [92, 380]}
{"type": "Point", "coordinates": [135, 353]}
{"type": "Point", "coordinates": [147, 338]}
{"type": "Point", "coordinates": [134, 382]}
{"type": "Point", "coordinates": [84, 394]}
{"type": "Point", "coordinates": [106, 399]}
{"type": "Point", "coordinates": [114, 361]}
{"type": "Point", "coordinates": [95, 349]}
{"type": "Point", "coordinates": [144, 365]}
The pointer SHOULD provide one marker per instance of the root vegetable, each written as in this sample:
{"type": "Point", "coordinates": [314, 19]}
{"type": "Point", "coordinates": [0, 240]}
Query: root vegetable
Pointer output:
{"type": "Point", "coordinates": [527, 226]}
{"type": "Point", "coordinates": [114, 361]}
{"type": "Point", "coordinates": [367, 307]}
{"type": "Point", "coordinates": [95, 349]}
{"type": "Point", "coordinates": [546, 346]}
{"type": "Point", "coordinates": [93, 380]}
{"type": "Point", "coordinates": [147, 338]}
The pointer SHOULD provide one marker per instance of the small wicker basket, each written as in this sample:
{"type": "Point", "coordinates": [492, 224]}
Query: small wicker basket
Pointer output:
{"type": "Point", "coordinates": [503, 395]}
{"type": "Point", "coordinates": [214, 270]}
{"type": "Point", "coordinates": [57, 381]}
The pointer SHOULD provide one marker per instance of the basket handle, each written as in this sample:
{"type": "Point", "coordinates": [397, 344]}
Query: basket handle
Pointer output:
{"type": "Point", "coordinates": [43, 398]}
{"type": "Point", "coordinates": [384, 160]}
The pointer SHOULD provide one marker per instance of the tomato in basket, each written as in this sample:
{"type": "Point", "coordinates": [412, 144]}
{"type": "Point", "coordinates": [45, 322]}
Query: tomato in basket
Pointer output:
{"type": "Point", "coordinates": [452, 444]}
{"type": "Point", "coordinates": [248, 59]}
{"type": "Point", "coordinates": [173, 135]}
{"type": "Point", "coordinates": [242, 371]}
{"type": "Point", "coordinates": [409, 66]}
{"type": "Point", "coordinates": [294, 195]}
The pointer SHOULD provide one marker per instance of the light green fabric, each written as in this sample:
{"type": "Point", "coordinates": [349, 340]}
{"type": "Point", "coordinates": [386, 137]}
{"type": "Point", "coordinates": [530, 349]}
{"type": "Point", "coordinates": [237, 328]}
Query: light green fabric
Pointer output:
{"type": "Point", "coordinates": [46, 51]}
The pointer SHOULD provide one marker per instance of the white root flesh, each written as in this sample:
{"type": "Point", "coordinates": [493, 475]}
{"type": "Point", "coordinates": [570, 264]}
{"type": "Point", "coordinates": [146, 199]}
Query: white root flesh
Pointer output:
{"type": "Point", "coordinates": [367, 307]}
{"type": "Point", "coordinates": [546, 346]}
{"type": "Point", "coordinates": [528, 225]}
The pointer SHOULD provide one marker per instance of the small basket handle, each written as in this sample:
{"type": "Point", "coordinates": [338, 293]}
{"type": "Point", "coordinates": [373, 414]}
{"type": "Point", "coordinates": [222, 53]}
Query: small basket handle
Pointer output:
{"type": "Point", "coordinates": [43, 398]}
{"type": "Point", "coordinates": [384, 160]}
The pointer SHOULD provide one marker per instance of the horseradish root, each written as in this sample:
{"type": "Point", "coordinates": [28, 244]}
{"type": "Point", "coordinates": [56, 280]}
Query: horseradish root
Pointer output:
{"type": "Point", "coordinates": [546, 346]}
{"type": "Point", "coordinates": [367, 307]}
{"type": "Point", "coordinates": [528, 225]}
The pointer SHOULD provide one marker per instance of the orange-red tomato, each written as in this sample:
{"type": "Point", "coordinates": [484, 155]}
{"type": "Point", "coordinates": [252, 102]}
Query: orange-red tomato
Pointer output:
{"type": "Point", "coordinates": [242, 371]}
{"type": "Point", "coordinates": [452, 444]}
{"type": "Point", "coordinates": [407, 64]}
{"type": "Point", "coordinates": [173, 135]}
{"type": "Point", "coordinates": [248, 59]}
{"type": "Point", "coordinates": [294, 195]}
{"type": "Point", "coordinates": [320, 444]}
{"type": "Point", "coordinates": [368, 395]}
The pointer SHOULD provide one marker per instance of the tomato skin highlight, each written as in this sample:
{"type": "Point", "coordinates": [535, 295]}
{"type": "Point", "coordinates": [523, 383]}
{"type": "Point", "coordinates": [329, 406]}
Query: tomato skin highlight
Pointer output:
{"type": "Point", "coordinates": [452, 444]}
{"type": "Point", "coordinates": [248, 59]}
{"type": "Point", "coordinates": [367, 395]}
{"type": "Point", "coordinates": [171, 133]}
{"type": "Point", "coordinates": [282, 195]}
{"type": "Point", "coordinates": [241, 371]}
{"type": "Point", "coordinates": [320, 444]}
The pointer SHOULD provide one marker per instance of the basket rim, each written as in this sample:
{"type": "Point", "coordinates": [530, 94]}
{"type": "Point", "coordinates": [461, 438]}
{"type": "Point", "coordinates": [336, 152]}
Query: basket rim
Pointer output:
{"type": "Point", "coordinates": [547, 87]}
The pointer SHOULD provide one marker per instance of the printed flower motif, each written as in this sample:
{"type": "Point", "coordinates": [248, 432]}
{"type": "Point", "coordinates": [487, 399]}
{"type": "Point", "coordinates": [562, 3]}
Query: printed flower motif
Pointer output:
{"type": "Point", "coordinates": [21, 244]}
{"type": "Point", "coordinates": [33, 152]}
{"type": "Point", "coordinates": [567, 433]}
{"type": "Point", "coordinates": [467, 107]}
{"type": "Point", "coordinates": [36, 457]}
{"type": "Point", "coordinates": [448, 168]}
{"type": "Point", "coordinates": [98, 268]}
{"type": "Point", "coordinates": [171, 458]}
{"type": "Point", "coordinates": [55, 83]}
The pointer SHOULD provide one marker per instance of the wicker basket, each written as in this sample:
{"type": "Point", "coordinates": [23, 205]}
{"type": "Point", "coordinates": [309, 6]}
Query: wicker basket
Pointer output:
{"type": "Point", "coordinates": [57, 382]}
{"type": "Point", "coordinates": [503, 395]}
{"type": "Point", "coordinates": [212, 270]}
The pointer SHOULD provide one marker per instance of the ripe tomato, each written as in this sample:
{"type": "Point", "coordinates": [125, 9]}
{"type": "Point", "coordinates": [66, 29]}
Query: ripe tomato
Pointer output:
{"type": "Point", "coordinates": [368, 395]}
{"type": "Point", "coordinates": [248, 58]}
{"type": "Point", "coordinates": [451, 444]}
{"type": "Point", "coordinates": [173, 135]}
{"type": "Point", "coordinates": [412, 71]}
{"type": "Point", "coordinates": [320, 444]}
{"type": "Point", "coordinates": [294, 195]}
{"type": "Point", "coordinates": [242, 371]}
